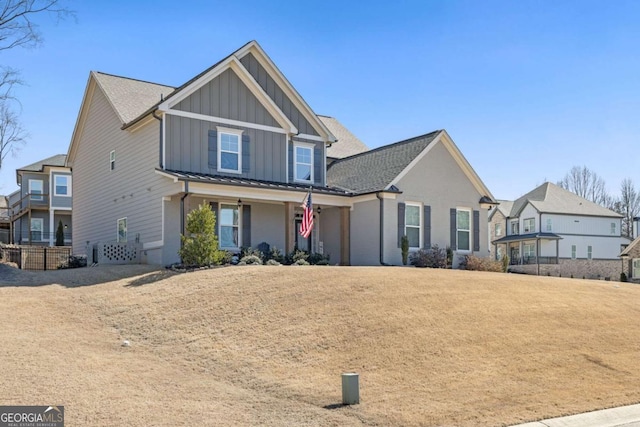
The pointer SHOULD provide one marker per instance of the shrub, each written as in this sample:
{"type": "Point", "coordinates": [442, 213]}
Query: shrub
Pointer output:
{"type": "Point", "coordinates": [474, 263]}
{"type": "Point", "coordinates": [75, 261]}
{"type": "Point", "coordinates": [449, 252]}
{"type": "Point", "coordinates": [623, 277]}
{"type": "Point", "coordinates": [318, 259]}
{"type": "Point", "coordinates": [433, 258]}
{"type": "Point", "coordinates": [226, 257]}
{"type": "Point", "coordinates": [248, 251]}
{"type": "Point", "coordinates": [294, 256]}
{"type": "Point", "coordinates": [251, 260]}
{"type": "Point", "coordinates": [272, 262]}
{"type": "Point", "coordinates": [505, 263]}
{"type": "Point", "coordinates": [301, 262]}
{"type": "Point", "coordinates": [404, 248]}
{"type": "Point", "coordinates": [200, 245]}
{"type": "Point", "coordinates": [276, 255]}
{"type": "Point", "coordinates": [60, 234]}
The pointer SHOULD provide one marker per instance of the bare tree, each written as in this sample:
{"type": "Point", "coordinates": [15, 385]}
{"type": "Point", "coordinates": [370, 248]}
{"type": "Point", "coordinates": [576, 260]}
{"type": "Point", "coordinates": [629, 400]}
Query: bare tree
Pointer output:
{"type": "Point", "coordinates": [628, 206]}
{"type": "Point", "coordinates": [17, 29]}
{"type": "Point", "coordinates": [586, 183]}
{"type": "Point", "coordinates": [12, 135]}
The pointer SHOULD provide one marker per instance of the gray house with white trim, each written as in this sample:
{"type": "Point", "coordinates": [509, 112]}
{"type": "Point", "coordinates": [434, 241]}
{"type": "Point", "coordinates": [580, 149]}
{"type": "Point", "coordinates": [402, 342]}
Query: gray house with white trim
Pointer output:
{"type": "Point", "coordinates": [240, 138]}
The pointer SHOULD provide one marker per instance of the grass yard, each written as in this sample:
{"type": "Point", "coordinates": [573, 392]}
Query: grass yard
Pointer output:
{"type": "Point", "coordinates": [266, 345]}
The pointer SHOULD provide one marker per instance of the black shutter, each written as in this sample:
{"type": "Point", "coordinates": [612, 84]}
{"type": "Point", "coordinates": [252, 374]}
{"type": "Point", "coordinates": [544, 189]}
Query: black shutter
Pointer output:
{"type": "Point", "coordinates": [476, 230]}
{"type": "Point", "coordinates": [453, 228]}
{"type": "Point", "coordinates": [427, 227]}
{"type": "Point", "coordinates": [401, 208]}
{"type": "Point", "coordinates": [290, 149]}
{"type": "Point", "coordinates": [317, 166]}
{"type": "Point", "coordinates": [246, 153]}
{"type": "Point", "coordinates": [213, 149]}
{"type": "Point", "coordinates": [246, 225]}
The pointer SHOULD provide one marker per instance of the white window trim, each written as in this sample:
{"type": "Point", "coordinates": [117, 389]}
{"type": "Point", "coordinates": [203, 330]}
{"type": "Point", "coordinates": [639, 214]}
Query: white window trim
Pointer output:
{"type": "Point", "coordinates": [37, 197]}
{"type": "Point", "coordinates": [633, 261]}
{"type": "Point", "coordinates": [614, 229]}
{"type": "Point", "coordinates": [549, 225]}
{"type": "Point", "coordinates": [574, 252]}
{"type": "Point", "coordinates": [312, 147]}
{"type": "Point", "coordinates": [41, 221]}
{"type": "Point", "coordinates": [420, 223]}
{"type": "Point", "coordinates": [126, 230]}
{"type": "Point", "coordinates": [55, 187]}
{"type": "Point", "coordinates": [237, 132]}
{"type": "Point", "coordinates": [470, 231]}
{"type": "Point", "coordinates": [112, 160]}
{"type": "Point", "coordinates": [589, 252]}
{"type": "Point", "coordinates": [514, 230]}
{"type": "Point", "coordinates": [498, 230]}
{"type": "Point", "coordinates": [524, 225]}
{"type": "Point", "coordinates": [219, 225]}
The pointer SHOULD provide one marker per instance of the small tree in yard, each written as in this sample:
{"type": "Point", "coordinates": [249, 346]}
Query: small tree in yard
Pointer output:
{"type": "Point", "coordinates": [404, 247]}
{"type": "Point", "coordinates": [60, 234]}
{"type": "Point", "coordinates": [200, 245]}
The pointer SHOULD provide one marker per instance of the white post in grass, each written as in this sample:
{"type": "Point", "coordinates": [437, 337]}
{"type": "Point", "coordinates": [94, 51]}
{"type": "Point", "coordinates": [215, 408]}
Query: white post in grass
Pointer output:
{"type": "Point", "coordinates": [350, 389]}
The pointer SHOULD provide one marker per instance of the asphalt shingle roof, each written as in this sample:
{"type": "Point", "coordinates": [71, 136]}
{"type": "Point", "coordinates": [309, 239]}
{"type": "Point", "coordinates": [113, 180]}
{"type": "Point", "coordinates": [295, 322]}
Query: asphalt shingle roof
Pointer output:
{"type": "Point", "coordinates": [550, 198]}
{"type": "Point", "coordinates": [347, 145]}
{"type": "Point", "coordinates": [57, 160]}
{"type": "Point", "coordinates": [129, 97]}
{"type": "Point", "coordinates": [374, 170]}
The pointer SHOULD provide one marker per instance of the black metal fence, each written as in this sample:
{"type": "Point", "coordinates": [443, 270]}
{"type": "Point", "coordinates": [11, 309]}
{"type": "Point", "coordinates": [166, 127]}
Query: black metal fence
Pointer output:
{"type": "Point", "coordinates": [37, 257]}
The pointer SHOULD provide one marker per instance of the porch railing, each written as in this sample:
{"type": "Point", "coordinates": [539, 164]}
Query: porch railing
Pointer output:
{"type": "Point", "coordinates": [29, 201]}
{"type": "Point", "coordinates": [38, 238]}
{"type": "Point", "coordinates": [533, 260]}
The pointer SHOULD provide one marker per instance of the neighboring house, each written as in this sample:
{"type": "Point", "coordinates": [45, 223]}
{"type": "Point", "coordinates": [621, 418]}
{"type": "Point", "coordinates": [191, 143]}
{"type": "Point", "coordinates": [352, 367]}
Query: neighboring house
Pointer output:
{"type": "Point", "coordinates": [5, 224]}
{"type": "Point", "coordinates": [553, 231]}
{"type": "Point", "coordinates": [43, 200]}
{"type": "Point", "coordinates": [240, 138]}
{"type": "Point", "coordinates": [631, 254]}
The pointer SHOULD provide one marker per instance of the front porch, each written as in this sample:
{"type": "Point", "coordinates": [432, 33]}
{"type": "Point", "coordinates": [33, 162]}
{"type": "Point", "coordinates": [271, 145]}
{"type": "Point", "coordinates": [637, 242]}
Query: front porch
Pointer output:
{"type": "Point", "coordinates": [529, 249]}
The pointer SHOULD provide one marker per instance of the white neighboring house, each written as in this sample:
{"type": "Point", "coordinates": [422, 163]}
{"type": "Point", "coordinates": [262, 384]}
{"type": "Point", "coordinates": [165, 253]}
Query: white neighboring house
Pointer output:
{"type": "Point", "coordinates": [631, 254]}
{"type": "Point", "coordinates": [553, 231]}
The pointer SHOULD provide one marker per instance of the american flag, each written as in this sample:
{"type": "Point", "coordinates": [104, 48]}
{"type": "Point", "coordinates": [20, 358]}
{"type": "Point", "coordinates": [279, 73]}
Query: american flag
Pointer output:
{"type": "Point", "coordinates": [307, 216]}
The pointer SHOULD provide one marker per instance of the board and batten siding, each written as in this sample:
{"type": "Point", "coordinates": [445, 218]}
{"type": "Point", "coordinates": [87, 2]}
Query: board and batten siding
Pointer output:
{"type": "Point", "coordinates": [188, 149]}
{"type": "Point", "coordinates": [277, 94]}
{"type": "Point", "coordinates": [227, 97]}
{"type": "Point", "coordinates": [133, 190]}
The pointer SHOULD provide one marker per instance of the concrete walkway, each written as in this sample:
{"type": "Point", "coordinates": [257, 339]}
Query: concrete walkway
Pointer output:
{"type": "Point", "coordinates": [624, 416]}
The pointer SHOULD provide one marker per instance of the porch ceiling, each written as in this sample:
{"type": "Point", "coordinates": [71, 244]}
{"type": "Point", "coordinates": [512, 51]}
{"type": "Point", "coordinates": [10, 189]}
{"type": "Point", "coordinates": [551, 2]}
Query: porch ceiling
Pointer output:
{"type": "Point", "coordinates": [531, 236]}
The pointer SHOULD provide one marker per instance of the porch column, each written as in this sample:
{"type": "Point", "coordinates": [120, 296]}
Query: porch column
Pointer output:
{"type": "Point", "coordinates": [51, 221]}
{"type": "Point", "coordinates": [520, 254]}
{"type": "Point", "coordinates": [557, 251]}
{"type": "Point", "coordinates": [289, 227]}
{"type": "Point", "coordinates": [345, 238]}
{"type": "Point", "coordinates": [538, 254]}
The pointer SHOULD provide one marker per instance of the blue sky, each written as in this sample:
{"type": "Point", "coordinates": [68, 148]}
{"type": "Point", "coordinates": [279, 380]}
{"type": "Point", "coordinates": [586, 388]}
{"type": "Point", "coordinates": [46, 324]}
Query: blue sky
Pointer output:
{"type": "Point", "coordinates": [526, 89]}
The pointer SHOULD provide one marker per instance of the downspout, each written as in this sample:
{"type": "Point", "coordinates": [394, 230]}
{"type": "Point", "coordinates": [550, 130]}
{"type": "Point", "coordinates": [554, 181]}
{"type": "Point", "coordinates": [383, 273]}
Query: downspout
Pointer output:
{"type": "Point", "coordinates": [381, 228]}
{"type": "Point", "coordinates": [186, 193]}
{"type": "Point", "coordinates": [160, 140]}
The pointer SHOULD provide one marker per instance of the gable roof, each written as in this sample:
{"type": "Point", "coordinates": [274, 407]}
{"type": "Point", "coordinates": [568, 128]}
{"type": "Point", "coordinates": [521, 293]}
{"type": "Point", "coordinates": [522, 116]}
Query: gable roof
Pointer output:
{"type": "Point", "coordinates": [347, 144]}
{"type": "Point", "coordinates": [58, 161]}
{"type": "Point", "coordinates": [130, 98]}
{"type": "Point", "coordinates": [627, 251]}
{"type": "Point", "coordinates": [375, 170]}
{"type": "Point", "coordinates": [550, 198]}
{"type": "Point", "coordinates": [4, 211]}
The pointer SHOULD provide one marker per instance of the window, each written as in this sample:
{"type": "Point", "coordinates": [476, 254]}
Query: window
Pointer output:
{"type": "Point", "coordinates": [589, 252]}
{"type": "Point", "coordinates": [36, 229]}
{"type": "Point", "coordinates": [62, 185]}
{"type": "Point", "coordinates": [35, 189]}
{"type": "Point", "coordinates": [112, 160]}
{"type": "Point", "coordinates": [515, 227]}
{"type": "Point", "coordinates": [412, 225]}
{"type": "Point", "coordinates": [498, 230]}
{"type": "Point", "coordinates": [549, 225]}
{"type": "Point", "coordinates": [229, 226]}
{"type": "Point", "coordinates": [464, 230]}
{"type": "Point", "coordinates": [529, 250]}
{"type": "Point", "coordinates": [229, 150]}
{"type": "Point", "coordinates": [635, 273]}
{"type": "Point", "coordinates": [122, 230]}
{"type": "Point", "coordinates": [499, 253]}
{"type": "Point", "coordinates": [303, 162]}
{"type": "Point", "coordinates": [573, 252]}
{"type": "Point", "coordinates": [613, 228]}
{"type": "Point", "coordinates": [529, 225]}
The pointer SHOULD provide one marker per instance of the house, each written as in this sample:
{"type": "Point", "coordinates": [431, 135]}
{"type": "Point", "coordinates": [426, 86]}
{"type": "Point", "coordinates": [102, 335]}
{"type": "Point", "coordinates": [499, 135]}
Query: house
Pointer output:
{"type": "Point", "coordinates": [43, 200]}
{"type": "Point", "coordinates": [239, 137]}
{"type": "Point", "coordinates": [5, 224]}
{"type": "Point", "coordinates": [553, 231]}
{"type": "Point", "coordinates": [631, 254]}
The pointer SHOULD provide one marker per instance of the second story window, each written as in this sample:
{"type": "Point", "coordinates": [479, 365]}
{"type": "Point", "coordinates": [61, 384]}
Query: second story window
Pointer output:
{"type": "Point", "coordinates": [35, 189]}
{"type": "Point", "coordinates": [529, 225]}
{"type": "Point", "coordinates": [515, 227]}
{"type": "Point", "coordinates": [62, 185]}
{"type": "Point", "coordinates": [112, 160]}
{"type": "Point", "coordinates": [303, 162]}
{"type": "Point", "coordinates": [549, 225]}
{"type": "Point", "coordinates": [229, 150]}
{"type": "Point", "coordinates": [498, 230]}
{"type": "Point", "coordinates": [613, 228]}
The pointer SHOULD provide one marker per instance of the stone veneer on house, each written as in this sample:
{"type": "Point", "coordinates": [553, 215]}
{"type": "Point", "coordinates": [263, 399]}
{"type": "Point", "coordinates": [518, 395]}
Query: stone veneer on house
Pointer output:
{"type": "Point", "coordinates": [578, 268]}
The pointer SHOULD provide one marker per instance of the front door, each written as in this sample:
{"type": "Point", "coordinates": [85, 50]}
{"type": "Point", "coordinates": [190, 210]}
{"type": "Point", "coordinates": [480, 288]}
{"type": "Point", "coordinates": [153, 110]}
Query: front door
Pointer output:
{"type": "Point", "coordinates": [515, 255]}
{"type": "Point", "coordinates": [302, 243]}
